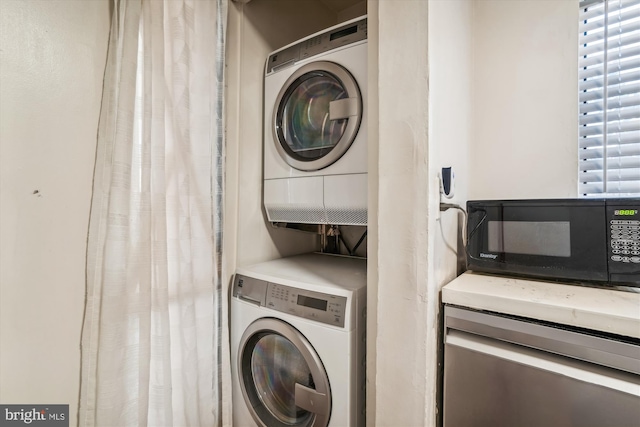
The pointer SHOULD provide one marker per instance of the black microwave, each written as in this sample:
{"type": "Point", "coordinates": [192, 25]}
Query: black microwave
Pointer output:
{"type": "Point", "coordinates": [593, 240]}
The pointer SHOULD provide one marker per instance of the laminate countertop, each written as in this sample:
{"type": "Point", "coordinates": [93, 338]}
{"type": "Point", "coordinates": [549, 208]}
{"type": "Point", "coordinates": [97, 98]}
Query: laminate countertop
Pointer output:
{"type": "Point", "coordinates": [614, 310]}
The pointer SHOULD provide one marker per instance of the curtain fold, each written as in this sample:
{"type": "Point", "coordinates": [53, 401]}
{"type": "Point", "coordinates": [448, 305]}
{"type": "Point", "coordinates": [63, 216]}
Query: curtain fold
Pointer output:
{"type": "Point", "coordinates": [151, 339]}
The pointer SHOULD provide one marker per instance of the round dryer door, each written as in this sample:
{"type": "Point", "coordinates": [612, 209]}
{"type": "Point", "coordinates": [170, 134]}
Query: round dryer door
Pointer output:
{"type": "Point", "coordinates": [317, 115]}
{"type": "Point", "coordinates": [282, 378]}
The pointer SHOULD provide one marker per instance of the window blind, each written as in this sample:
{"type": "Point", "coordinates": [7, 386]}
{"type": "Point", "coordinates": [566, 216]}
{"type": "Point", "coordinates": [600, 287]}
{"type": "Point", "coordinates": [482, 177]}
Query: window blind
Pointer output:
{"type": "Point", "coordinates": [609, 86]}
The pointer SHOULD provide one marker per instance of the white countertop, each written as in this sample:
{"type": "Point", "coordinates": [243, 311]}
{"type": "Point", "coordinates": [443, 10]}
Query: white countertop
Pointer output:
{"type": "Point", "coordinates": [597, 308]}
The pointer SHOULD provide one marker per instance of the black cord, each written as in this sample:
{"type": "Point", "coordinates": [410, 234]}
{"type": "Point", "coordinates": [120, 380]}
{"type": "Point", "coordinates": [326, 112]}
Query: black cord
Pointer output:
{"type": "Point", "coordinates": [359, 241]}
{"type": "Point", "coordinates": [352, 252]}
{"type": "Point", "coordinates": [447, 206]}
{"type": "Point", "coordinates": [349, 251]}
{"type": "Point", "coordinates": [475, 229]}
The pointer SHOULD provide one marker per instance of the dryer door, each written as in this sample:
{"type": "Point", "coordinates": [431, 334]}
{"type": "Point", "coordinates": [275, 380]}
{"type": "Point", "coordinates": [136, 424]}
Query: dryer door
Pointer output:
{"type": "Point", "coordinates": [317, 115]}
{"type": "Point", "coordinates": [282, 378]}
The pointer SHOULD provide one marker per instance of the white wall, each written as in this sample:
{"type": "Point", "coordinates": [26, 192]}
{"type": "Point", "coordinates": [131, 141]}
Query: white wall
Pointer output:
{"type": "Point", "coordinates": [52, 58]}
{"type": "Point", "coordinates": [525, 99]}
{"type": "Point", "coordinates": [399, 377]}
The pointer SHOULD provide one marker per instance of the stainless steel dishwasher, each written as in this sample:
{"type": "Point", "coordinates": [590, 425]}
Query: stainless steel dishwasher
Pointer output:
{"type": "Point", "coordinates": [504, 371]}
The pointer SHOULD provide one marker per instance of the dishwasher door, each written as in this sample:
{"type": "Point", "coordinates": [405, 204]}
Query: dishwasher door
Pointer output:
{"type": "Point", "coordinates": [500, 371]}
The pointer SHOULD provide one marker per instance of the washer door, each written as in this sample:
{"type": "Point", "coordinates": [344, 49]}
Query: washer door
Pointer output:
{"type": "Point", "coordinates": [317, 115]}
{"type": "Point", "coordinates": [282, 378]}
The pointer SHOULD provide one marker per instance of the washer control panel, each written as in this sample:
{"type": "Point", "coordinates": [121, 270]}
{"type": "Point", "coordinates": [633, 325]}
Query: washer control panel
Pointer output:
{"type": "Point", "coordinates": [318, 306]}
{"type": "Point", "coordinates": [325, 308]}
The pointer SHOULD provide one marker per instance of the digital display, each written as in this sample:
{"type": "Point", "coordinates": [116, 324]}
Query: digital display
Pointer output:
{"type": "Point", "coordinates": [547, 238]}
{"type": "Point", "coordinates": [318, 304]}
{"type": "Point", "coordinates": [625, 212]}
{"type": "Point", "coordinates": [345, 32]}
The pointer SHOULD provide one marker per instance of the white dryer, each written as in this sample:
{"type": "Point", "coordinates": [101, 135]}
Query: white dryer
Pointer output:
{"type": "Point", "coordinates": [315, 128]}
{"type": "Point", "coordinates": [298, 342]}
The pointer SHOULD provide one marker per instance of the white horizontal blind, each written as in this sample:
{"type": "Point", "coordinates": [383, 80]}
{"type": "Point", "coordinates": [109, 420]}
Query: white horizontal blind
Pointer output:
{"type": "Point", "coordinates": [609, 83]}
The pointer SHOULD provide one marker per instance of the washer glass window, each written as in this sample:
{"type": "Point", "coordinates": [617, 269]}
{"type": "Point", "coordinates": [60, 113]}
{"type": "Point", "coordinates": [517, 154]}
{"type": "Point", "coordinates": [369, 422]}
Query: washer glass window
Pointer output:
{"type": "Point", "coordinates": [282, 378]}
{"type": "Point", "coordinates": [277, 365]}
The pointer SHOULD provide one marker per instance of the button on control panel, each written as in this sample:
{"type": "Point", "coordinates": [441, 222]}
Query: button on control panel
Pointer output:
{"type": "Point", "coordinates": [321, 307]}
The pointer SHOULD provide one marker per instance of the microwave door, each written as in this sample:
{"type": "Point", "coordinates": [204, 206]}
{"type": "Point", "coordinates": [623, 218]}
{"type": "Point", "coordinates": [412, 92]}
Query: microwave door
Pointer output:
{"type": "Point", "coordinates": [535, 240]}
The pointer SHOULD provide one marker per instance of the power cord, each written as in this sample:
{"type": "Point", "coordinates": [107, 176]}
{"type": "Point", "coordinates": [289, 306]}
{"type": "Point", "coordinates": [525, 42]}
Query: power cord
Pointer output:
{"type": "Point", "coordinates": [446, 207]}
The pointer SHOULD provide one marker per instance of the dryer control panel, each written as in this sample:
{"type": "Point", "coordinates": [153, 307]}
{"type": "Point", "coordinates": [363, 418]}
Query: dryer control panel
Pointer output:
{"type": "Point", "coordinates": [335, 37]}
{"type": "Point", "coordinates": [318, 306]}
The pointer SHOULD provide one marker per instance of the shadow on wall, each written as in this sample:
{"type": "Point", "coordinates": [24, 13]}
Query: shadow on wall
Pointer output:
{"type": "Point", "coordinates": [294, 19]}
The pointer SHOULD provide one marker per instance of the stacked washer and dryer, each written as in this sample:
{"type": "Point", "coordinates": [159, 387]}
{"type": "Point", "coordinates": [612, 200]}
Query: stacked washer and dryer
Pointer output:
{"type": "Point", "coordinates": [298, 323]}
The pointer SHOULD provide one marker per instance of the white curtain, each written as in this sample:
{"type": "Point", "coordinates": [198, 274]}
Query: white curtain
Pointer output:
{"type": "Point", "coordinates": [151, 339]}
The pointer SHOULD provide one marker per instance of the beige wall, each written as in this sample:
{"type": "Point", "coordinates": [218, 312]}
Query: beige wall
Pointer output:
{"type": "Point", "coordinates": [398, 375]}
{"type": "Point", "coordinates": [525, 99]}
{"type": "Point", "coordinates": [52, 57]}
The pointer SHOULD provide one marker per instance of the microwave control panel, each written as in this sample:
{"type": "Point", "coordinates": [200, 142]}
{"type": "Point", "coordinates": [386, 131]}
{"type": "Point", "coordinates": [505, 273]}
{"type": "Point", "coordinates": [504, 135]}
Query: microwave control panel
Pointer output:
{"type": "Point", "coordinates": [624, 238]}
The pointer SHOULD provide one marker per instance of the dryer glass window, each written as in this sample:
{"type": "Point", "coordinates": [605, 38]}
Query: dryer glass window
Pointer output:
{"type": "Point", "coordinates": [303, 123]}
{"type": "Point", "coordinates": [277, 365]}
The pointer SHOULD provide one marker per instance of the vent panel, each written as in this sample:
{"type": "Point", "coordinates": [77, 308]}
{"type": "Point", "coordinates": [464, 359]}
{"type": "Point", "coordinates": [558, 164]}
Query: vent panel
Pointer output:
{"type": "Point", "coordinates": [301, 215]}
{"type": "Point", "coordinates": [316, 215]}
{"type": "Point", "coordinates": [347, 216]}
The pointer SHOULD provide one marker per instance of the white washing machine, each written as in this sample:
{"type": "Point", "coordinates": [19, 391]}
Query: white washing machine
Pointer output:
{"type": "Point", "coordinates": [315, 128]}
{"type": "Point", "coordinates": [298, 342]}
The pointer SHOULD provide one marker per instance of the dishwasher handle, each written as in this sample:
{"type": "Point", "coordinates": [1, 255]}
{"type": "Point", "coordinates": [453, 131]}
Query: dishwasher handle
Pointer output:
{"type": "Point", "coordinates": [553, 363]}
{"type": "Point", "coordinates": [617, 354]}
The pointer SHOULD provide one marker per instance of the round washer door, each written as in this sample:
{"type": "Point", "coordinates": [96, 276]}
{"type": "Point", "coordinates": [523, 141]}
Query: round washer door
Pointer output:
{"type": "Point", "coordinates": [282, 378]}
{"type": "Point", "coordinates": [317, 115]}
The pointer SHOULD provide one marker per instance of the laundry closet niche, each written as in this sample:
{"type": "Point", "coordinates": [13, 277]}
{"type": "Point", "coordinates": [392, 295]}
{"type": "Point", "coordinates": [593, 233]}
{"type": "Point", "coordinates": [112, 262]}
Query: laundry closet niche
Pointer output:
{"type": "Point", "coordinates": [257, 28]}
{"type": "Point", "coordinates": [402, 266]}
